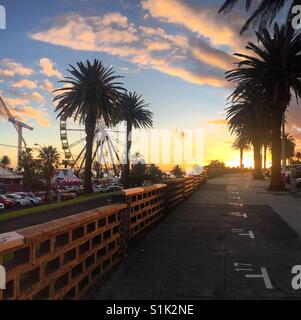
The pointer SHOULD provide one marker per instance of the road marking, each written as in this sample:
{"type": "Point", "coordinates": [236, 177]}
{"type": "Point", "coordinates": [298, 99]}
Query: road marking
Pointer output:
{"type": "Point", "coordinates": [235, 198]}
{"type": "Point", "coordinates": [240, 233]}
{"type": "Point", "coordinates": [236, 204]}
{"type": "Point", "coordinates": [242, 266]}
{"type": "Point", "coordinates": [265, 276]}
{"type": "Point", "coordinates": [238, 214]}
{"type": "Point", "coordinates": [233, 193]}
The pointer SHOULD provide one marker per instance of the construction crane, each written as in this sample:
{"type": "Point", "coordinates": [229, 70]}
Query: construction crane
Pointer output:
{"type": "Point", "coordinates": [18, 125]}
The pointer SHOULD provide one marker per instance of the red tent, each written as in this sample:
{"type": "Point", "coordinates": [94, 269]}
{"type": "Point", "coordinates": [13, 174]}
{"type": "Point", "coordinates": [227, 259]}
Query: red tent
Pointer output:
{"type": "Point", "coordinates": [70, 181]}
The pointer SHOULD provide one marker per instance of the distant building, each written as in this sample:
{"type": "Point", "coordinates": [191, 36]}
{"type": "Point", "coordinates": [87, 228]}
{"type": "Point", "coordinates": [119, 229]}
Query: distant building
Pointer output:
{"type": "Point", "coordinates": [9, 181]}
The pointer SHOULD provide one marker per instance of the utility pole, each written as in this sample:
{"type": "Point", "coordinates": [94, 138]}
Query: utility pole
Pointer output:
{"type": "Point", "coordinates": [283, 144]}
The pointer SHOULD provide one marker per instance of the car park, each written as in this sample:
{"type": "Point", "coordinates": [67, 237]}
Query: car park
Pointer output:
{"type": "Point", "coordinates": [8, 203]}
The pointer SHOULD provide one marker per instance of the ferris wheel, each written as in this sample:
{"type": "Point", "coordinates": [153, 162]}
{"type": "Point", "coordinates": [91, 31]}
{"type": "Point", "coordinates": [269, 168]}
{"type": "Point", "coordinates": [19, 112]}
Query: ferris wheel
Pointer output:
{"type": "Point", "coordinates": [108, 148]}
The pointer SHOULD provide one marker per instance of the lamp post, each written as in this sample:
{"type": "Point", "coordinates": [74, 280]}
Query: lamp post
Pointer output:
{"type": "Point", "coordinates": [283, 144]}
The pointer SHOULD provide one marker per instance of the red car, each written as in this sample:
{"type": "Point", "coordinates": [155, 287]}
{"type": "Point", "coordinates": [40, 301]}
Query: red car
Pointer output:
{"type": "Point", "coordinates": [6, 202]}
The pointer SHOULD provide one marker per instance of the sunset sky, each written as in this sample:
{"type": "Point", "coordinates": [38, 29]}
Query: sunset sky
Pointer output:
{"type": "Point", "coordinates": [173, 52]}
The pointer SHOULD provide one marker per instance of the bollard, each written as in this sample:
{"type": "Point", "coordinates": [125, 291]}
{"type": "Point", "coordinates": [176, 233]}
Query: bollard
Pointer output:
{"type": "Point", "coordinates": [293, 184]}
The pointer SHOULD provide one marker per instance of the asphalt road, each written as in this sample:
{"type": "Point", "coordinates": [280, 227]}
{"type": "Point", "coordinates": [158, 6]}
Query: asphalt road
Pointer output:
{"type": "Point", "coordinates": [213, 246]}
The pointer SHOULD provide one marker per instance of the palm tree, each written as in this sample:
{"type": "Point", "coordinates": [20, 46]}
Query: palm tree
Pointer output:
{"type": "Point", "coordinates": [154, 173]}
{"type": "Point", "coordinates": [247, 118]}
{"type": "Point", "coordinates": [5, 162]}
{"type": "Point", "coordinates": [49, 159]}
{"type": "Point", "coordinates": [265, 12]}
{"type": "Point", "coordinates": [274, 71]}
{"type": "Point", "coordinates": [298, 156]}
{"type": "Point", "coordinates": [133, 110]}
{"type": "Point", "coordinates": [91, 95]}
{"type": "Point", "coordinates": [266, 145]}
{"type": "Point", "coordinates": [290, 146]}
{"type": "Point", "coordinates": [177, 172]}
{"type": "Point", "coordinates": [241, 144]}
{"type": "Point", "coordinates": [27, 166]}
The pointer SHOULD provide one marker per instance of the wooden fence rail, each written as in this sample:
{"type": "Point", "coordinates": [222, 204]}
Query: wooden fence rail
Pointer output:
{"type": "Point", "coordinates": [64, 258]}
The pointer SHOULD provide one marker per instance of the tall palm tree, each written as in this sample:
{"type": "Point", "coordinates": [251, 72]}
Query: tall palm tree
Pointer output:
{"type": "Point", "coordinates": [49, 160]}
{"type": "Point", "coordinates": [298, 156]}
{"type": "Point", "coordinates": [26, 165]}
{"type": "Point", "coordinates": [91, 95]}
{"type": "Point", "coordinates": [290, 145]}
{"type": "Point", "coordinates": [241, 144]}
{"type": "Point", "coordinates": [133, 110]}
{"type": "Point", "coordinates": [5, 162]}
{"type": "Point", "coordinates": [274, 69]}
{"type": "Point", "coordinates": [247, 119]}
{"type": "Point", "coordinates": [265, 12]}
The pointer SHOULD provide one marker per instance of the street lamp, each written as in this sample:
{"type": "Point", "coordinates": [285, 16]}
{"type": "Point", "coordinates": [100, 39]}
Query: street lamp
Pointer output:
{"type": "Point", "coordinates": [283, 146]}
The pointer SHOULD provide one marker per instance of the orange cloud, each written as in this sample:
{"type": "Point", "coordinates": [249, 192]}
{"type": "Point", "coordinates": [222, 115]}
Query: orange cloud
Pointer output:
{"type": "Point", "coordinates": [28, 84]}
{"type": "Point", "coordinates": [10, 68]}
{"type": "Point", "coordinates": [213, 57]}
{"type": "Point", "coordinates": [190, 76]}
{"type": "Point", "coordinates": [48, 86]}
{"type": "Point", "coordinates": [48, 69]}
{"type": "Point", "coordinates": [158, 46]}
{"type": "Point", "coordinates": [25, 113]}
{"type": "Point", "coordinates": [25, 98]}
{"type": "Point", "coordinates": [147, 47]}
{"type": "Point", "coordinates": [198, 18]}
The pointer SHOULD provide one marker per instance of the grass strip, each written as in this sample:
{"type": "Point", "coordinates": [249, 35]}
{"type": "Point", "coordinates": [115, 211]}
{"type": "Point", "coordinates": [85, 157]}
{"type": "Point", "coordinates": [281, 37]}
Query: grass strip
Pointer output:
{"type": "Point", "coordinates": [46, 207]}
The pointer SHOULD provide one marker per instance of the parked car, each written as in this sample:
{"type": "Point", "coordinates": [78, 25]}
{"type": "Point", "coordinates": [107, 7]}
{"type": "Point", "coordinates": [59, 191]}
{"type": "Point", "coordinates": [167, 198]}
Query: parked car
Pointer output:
{"type": "Point", "coordinates": [30, 197]}
{"type": "Point", "coordinates": [100, 188]}
{"type": "Point", "coordinates": [114, 187]}
{"type": "Point", "coordinates": [21, 202]}
{"type": "Point", "coordinates": [7, 202]}
{"type": "Point", "coordinates": [65, 195]}
{"type": "Point", "coordinates": [286, 173]}
{"type": "Point", "coordinates": [72, 188]}
{"type": "Point", "coordinates": [2, 206]}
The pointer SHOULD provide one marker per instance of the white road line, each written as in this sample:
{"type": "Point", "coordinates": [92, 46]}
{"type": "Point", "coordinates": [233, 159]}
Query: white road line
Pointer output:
{"type": "Point", "coordinates": [238, 214]}
{"type": "Point", "coordinates": [264, 276]}
{"type": "Point", "coordinates": [236, 204]}
{"type": "Point", "coordinates": [240, 233]}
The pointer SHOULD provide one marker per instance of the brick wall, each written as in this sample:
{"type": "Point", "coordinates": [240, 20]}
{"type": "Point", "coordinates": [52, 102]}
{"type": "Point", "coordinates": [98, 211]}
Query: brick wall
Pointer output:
{"type": "Point", "coordinates": [64, 258]}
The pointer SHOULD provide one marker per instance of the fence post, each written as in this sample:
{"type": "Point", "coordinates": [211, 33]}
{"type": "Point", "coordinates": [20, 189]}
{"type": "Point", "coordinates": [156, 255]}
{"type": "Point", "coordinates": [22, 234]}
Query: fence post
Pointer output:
{"type": "Point", "coordinates": [125, 222]}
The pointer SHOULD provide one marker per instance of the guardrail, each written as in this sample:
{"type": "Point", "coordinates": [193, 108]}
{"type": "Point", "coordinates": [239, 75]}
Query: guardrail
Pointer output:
{"type": "Point", "coordinates": [64, 258]}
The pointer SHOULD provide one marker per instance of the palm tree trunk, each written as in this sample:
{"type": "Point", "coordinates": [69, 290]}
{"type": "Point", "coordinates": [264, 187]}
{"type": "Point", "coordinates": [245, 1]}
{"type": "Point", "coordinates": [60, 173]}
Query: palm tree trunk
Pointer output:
{"type": "Point", "coordinates": [90, 131]}
{"type": "Point", "coordinates": [257, 161]}
{"type": "Point", "coordinates": [265, 148]}
{"type": "Point", "coordinates": [276, 183]}
{"type": "Point", "coordinates": [48, 186]}
{"type": "Point", "coordinates": [128, 150]}
{"type": "Point", "coordinates": [241, 157]}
